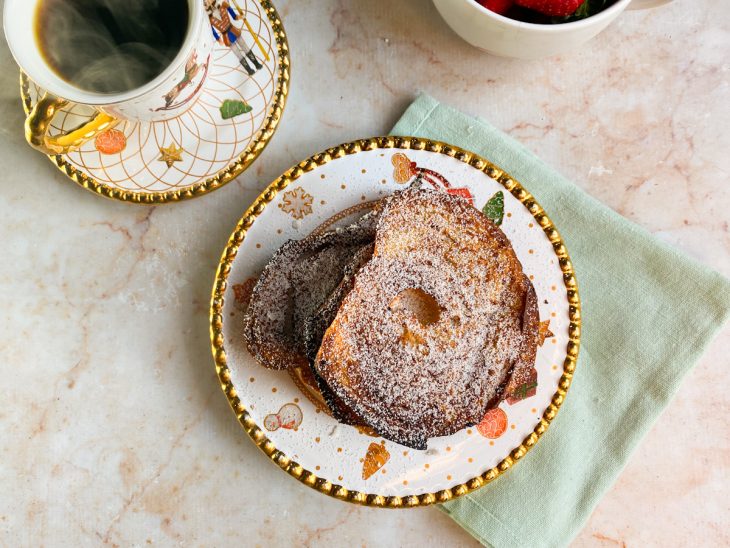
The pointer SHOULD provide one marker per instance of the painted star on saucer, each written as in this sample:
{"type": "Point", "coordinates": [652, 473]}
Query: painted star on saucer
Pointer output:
{"type": "Point", "coordinates": [170, 154]}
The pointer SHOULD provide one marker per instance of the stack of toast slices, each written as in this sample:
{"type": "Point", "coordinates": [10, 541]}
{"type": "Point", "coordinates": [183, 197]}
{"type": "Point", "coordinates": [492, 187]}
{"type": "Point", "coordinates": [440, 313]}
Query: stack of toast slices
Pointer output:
{"type": "Point", "coordinates": [415, 321]}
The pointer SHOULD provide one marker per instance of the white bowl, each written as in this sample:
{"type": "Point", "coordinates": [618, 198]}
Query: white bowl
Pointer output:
{"type": "Point", "coordinates": [507, 37]}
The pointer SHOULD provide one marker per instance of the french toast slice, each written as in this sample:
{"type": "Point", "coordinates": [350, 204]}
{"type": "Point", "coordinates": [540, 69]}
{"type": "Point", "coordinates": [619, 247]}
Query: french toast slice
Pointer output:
{"type": "Point", "coordinates": [316, 325]}
{"type": "Point", "coordinates": [436, 323]}
{"type": "Point", "coordinates": [299, 277]}
{"type": "Point", "coordinates": [318, 322]}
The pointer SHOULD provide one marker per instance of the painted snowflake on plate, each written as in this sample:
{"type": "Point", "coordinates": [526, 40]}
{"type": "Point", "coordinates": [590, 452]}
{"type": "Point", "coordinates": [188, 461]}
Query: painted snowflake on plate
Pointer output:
{"type": "Point", "coordinates": [297, 203]}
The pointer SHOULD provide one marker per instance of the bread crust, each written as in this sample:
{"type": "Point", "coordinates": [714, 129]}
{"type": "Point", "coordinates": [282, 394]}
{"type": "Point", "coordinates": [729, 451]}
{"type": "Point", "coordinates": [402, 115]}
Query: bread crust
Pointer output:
{"type": "Point", "coordinates": [299, 277]}
{"type": "Point", "coordinates": [411, 378]}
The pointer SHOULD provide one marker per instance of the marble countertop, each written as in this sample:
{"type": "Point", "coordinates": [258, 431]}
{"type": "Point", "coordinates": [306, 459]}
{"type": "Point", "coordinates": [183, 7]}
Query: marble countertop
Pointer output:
{"type": "Point", "coordinates": [113, 427]}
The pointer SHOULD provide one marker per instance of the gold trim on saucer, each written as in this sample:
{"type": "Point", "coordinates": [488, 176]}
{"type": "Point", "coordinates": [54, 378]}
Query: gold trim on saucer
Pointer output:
{"type": "Point", "coordinates": [233, 170]}
{"type": "Point", "coordinates": [258, 436]}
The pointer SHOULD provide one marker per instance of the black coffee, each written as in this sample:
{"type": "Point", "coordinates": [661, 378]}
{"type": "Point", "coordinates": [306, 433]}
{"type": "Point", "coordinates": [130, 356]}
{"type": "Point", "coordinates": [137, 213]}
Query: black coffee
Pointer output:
{"type": "Point", "coordinates": [110, 46]}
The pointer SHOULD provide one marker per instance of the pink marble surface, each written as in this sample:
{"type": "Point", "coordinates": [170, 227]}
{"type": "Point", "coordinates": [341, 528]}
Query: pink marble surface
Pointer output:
{"type": "Point", "coordinates": [114, 429]}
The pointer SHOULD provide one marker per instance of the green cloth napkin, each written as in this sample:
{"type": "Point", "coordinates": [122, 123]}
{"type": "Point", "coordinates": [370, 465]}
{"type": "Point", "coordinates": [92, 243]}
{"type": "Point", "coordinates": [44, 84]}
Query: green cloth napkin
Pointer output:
{"type": "Point", "coordinates": [648, 314]}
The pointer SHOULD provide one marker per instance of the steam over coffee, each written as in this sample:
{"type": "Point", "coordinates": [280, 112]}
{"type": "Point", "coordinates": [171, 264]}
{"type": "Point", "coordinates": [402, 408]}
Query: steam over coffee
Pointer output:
{"type": "Point", "coordinates": [110, 46]}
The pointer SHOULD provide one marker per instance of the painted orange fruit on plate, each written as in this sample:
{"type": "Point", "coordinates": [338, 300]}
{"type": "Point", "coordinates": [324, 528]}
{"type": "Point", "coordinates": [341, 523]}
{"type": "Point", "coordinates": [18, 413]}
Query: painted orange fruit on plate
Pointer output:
{"type": "Point", "coordinates": [110, 141]}
{"type": "Point", "coordinates": [493, 424]}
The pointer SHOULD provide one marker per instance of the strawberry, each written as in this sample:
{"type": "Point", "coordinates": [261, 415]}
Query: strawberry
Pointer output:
{"type": "Point", "coordinates": [553, 8]}
{"type": "Point", "coordinates": [497, 6]}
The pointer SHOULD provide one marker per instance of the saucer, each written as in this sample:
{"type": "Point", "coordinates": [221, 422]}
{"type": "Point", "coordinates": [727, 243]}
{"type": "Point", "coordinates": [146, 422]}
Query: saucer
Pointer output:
{"type": "Point", "coordinates": [214, 141]}
{"type": "Point", "coordinates": [282, 411]}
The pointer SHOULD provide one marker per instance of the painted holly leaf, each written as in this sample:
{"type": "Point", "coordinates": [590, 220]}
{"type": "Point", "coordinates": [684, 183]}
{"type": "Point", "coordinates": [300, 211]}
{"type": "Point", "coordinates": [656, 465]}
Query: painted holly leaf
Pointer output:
{"type": "Point", "coordinates": [525, 390]}
{"type": "Point", "coordinates": [234, 107]}
{"type": "Point", "coordinates": [494, 208]}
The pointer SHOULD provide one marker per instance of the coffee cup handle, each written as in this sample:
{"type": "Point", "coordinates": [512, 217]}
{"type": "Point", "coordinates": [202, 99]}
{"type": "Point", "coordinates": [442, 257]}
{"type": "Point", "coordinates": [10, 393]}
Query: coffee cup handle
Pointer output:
{"type": "Point", "coordinates": [644, 4]}
{"type": "Point", "coordinates": [39, 120]}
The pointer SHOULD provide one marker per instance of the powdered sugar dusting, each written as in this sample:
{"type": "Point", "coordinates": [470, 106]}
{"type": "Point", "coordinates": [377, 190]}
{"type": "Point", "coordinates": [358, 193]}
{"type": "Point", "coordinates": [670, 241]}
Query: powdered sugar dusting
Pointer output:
{"type": "Point", "coordinates": [294, 284]}
{"type": "Point", "coordinates": [411, 381]}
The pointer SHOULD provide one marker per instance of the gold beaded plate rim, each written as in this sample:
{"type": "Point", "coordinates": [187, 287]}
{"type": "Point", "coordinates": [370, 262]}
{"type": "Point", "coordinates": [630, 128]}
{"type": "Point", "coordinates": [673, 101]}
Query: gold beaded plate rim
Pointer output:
{"type": "Point", "coordinates": [225, 175]}
{"type": "Point", "coordinates": [258, 436]}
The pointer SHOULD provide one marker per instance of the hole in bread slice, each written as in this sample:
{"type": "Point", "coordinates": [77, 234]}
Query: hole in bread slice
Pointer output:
{"type": "Point", "coordinates": [417, 303]}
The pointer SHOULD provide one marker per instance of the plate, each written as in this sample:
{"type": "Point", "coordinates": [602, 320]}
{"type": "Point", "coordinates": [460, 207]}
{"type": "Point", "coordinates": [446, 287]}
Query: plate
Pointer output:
{"type": "Point", "coordinates": [291, 426]}
{"type": "Point", "coordinates": [200, 150]}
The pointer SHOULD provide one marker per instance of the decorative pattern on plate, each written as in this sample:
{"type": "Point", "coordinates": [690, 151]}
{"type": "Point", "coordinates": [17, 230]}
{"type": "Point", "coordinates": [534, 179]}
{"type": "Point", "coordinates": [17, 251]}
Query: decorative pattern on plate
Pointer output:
{"type": "Point", "coordinates": [405, 170]}
{"type": "Point", "coordinates": [222, 132]}
{"type": "Point", "coordinates": [297, 203]}
{"type": "Point", "coordinates": [524, 391]}
{"type": "Point", "coordinates": [329, 456]}
{"type": "Point", "coordinates": [375, 458]}
{"type": "Point", "coordinates": [289, 416]}
{"type": "Point", "coordinates": [494, 423]}
{"type": "Point", "coordinates": [494, 208]}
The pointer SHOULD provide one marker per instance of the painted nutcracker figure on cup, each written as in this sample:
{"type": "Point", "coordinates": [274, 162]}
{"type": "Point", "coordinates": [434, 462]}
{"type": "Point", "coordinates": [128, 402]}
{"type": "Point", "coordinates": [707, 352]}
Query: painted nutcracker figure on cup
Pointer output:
{"type": "Point", "coordinates": [221, 17]}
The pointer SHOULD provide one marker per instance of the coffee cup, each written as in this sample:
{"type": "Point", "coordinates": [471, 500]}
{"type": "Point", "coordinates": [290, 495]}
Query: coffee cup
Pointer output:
{"type": "Point", "coordinates": [165, 96]}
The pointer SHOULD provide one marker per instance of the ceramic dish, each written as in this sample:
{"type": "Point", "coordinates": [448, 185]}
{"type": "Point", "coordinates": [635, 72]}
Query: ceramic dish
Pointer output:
{"type": "Point", "coordinates": [215, 140]}
{"type": "Point", "coordinates": [278, 411]}
{"type": "Point", "coordinates": [505, 37]}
